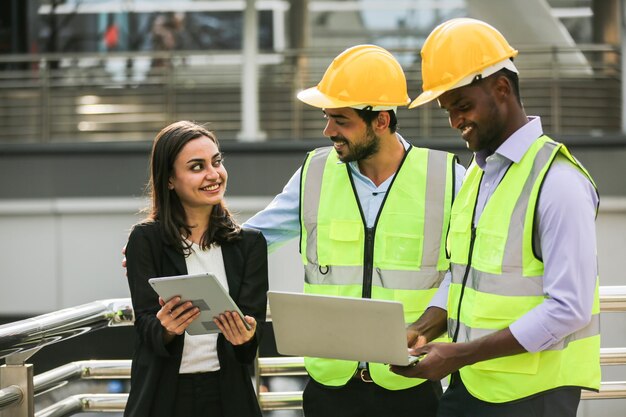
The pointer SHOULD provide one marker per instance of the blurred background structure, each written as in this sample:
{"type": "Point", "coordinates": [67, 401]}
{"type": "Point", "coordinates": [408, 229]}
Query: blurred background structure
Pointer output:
{"type": "Point", "coordinates": [86, 84]}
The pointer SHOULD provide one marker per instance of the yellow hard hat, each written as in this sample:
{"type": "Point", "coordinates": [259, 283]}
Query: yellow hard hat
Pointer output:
{"type": "Point", "coordinates": [456, 52]}
{"type": "Point", "coordinates": [361, 76]}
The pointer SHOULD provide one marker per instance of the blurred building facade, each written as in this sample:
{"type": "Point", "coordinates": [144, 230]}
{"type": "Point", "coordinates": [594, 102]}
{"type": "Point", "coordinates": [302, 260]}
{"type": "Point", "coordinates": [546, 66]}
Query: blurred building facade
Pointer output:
{"type": "Point", "coordinates": [85, 86]}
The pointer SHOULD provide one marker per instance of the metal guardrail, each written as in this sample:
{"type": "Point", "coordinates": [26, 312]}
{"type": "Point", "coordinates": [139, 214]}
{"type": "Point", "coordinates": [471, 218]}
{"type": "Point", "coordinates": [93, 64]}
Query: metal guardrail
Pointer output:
{"type": "Point", "coordinates": [613, 298]}
{"type": "Point", "coordinates": [278, 366]}
{"type": "Point", "coordinates": [608, 390]}
{"type": "Point", "coordinates": [83, 403]}
{"type": "Point", "coordinates": [28, 336]}
{"type": "Point", "coordinates": [122, 96]}
{"type": "Point", "coordinates": [91, 369]}
{"type": "Point", "coordinates": [294, 366]}
{"type": "Point", "coordinates": [116, 403]}
{"type": "Point", "coordinates": [10, 396]}
{"type": "Point", "coordinates": [20, 340]}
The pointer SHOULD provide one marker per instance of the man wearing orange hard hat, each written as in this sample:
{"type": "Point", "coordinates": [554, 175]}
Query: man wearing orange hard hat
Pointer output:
{"type": "Point", "coordinates": [522, 309]}
{"type": "Point", "coordinates": [371, 212]}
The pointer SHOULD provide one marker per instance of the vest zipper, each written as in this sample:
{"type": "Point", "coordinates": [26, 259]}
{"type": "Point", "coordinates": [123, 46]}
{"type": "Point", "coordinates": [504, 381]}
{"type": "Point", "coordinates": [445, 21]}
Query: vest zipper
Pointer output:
{"type": "Point", "coordinates": [370, 232]}
{"type": "Point", "coordinates": [368, 262]}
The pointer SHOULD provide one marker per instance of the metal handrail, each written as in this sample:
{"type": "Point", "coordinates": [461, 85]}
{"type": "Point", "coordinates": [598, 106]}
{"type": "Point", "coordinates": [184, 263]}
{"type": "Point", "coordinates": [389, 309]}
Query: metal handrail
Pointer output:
{"type": "Point", "coordinates": [85, 402]}
{"type": "Point", "coordinates": [10, 395]}
{"type": "Point", "coordinates": [91, 369]}
{"type": "Point", "coordinates": [194, 80]}
{"type": "Point", "coordinates": [613, 298]}
{"type": "Point", "coordinates": [608, 390]}
{"type": "Point", "coordinates": [282, 366]}
{"type": "Point", "coordinates": [268, 366]}
{"type": "Point", "coordinates": [294, 366]}
{"type": "Point", "coordinates": [288, 400]}
{"type": "Point", "coordinates": [21, 339]}
{"type": "Point", "coordinates": [613, 356]}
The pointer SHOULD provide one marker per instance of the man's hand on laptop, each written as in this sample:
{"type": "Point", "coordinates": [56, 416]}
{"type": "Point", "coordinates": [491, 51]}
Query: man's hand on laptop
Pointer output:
{"type": "Point", "coordinates": [431, 324]}
{"type": "Point", "coordinates": [414, 339]}
{"type": "Point", "coordinates": [440, 360]}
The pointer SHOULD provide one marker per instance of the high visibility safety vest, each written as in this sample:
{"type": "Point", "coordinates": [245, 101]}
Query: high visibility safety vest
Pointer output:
{"type": "Point", "coordinates": [497, 276]}
{"type": "Point", "coordinates": [402, 257]}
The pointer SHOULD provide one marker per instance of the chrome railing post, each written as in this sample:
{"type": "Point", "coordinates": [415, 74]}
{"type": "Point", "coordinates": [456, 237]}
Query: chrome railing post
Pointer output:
{"type": "Point", "coordinates": [555, 91]}
{"type": "Point", "coordinates": [170, 80]}
{"type": "Point", "coordinates": [19, 379]}
{"type": "Point", "coordinates": [44, 108]}
{"type": "Point", "coordinates": [300, 70]}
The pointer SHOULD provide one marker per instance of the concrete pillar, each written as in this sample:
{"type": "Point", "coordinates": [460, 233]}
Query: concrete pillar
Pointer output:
{"type": "Point", "coordinates": [606, 21]}
{"type": "Point", "coordinates": [299, 35]}
{"type": "Point", "coordinates": [622, 20]}
{"type": "Point", "coordinates": [250, 127]}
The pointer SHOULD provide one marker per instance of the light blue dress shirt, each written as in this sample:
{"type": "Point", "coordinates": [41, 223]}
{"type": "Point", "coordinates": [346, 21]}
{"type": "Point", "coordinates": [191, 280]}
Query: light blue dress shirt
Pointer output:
{"type": "Point", "coordinates": [280, 220]}
{"type": "Point", "coordinates": [566, 237]}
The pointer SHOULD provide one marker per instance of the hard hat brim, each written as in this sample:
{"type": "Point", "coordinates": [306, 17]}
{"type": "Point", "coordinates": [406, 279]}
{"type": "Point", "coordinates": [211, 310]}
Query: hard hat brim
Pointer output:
{"type": "Point", "coordinates": [313, 97]}
{"type": "Point", "coordinates": [485, 72]}
{"type": "Point", "coordinates": [425, 97]}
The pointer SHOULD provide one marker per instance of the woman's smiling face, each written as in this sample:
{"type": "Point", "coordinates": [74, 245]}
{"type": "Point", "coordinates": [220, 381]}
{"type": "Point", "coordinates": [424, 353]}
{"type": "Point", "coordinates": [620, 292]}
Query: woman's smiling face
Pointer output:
{"type": "Point", "coordinates": [198, 176]}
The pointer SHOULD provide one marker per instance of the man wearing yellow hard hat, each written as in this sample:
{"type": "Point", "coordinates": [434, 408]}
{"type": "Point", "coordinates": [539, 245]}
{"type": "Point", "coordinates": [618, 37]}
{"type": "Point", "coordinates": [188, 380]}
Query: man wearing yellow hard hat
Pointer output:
{"type": "Point", "coordinates": [372, 213]}
{"type": "Point", "coordinates": [523, 309]}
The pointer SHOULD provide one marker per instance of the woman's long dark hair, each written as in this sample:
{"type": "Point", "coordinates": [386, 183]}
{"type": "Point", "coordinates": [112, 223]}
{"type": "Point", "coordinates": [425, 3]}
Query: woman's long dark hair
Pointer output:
{"type": "Point", "coordinates": [166, 207]}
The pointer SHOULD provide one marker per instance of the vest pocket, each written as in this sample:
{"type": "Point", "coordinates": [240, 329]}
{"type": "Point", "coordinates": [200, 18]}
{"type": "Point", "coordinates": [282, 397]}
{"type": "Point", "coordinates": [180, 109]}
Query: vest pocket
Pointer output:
{"type": "Point", "coordinates": [400, 250]}
{"type": "Point", "coordinates": [489, 314]}
{"type": "Point", "coordinates": [342, 250]}
{"type": "Point", "coordinates": [489, 250]}
{"type": "Point", "coordinates": [459, 236]}
{"type": "Point", "coordinates": [345, 230]}
{"type": "Point", "coordinates": [523, 363]}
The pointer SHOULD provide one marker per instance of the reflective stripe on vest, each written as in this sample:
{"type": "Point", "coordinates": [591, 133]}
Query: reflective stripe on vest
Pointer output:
{"type": "Point", "coordinates": [505, 280]}
{"type": "Point", "coordinates": [408, 259]}
{"type": "Point", "coordinates": [467, 334]}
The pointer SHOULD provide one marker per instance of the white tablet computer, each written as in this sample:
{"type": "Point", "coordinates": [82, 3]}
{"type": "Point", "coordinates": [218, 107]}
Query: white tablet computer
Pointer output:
{"type": "Point", "coordinates": [205, 292]}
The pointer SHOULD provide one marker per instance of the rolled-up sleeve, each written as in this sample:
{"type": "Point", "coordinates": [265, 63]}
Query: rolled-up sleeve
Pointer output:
{"type": "Point", "coordinates": [280, 220]}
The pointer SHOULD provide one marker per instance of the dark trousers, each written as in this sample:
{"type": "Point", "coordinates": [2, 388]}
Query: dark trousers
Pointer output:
{"type": "Point", "coordinates": [198, 395]}
{"type": "Point", "coordinates": [458, 402]}
{"type": "Point", "coordinates": [366, 399]}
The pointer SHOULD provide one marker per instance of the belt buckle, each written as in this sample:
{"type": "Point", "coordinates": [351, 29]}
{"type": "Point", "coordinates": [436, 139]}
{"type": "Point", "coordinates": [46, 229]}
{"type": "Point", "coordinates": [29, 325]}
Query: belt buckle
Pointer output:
{"type": "Point", "coordinates": [362, 373]}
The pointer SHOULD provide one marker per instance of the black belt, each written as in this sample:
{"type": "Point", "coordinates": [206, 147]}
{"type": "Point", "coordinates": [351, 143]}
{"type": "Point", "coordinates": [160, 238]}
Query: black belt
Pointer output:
{"type": "Point", "coordinates": [362, 374]}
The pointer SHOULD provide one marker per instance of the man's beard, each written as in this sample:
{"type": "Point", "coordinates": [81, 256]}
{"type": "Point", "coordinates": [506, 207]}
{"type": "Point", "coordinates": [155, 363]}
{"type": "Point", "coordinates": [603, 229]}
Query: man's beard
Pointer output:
{"type": "Point", "coordinates": [356, 152]}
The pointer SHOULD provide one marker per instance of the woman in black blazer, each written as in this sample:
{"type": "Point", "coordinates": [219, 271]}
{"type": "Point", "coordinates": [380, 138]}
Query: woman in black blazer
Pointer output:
{"type": "Point", "coordinates": [189, 225]}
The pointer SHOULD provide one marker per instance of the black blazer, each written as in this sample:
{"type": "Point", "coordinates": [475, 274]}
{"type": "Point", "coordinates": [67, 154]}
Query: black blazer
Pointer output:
{"type": "Point", "coordinates": [154, 372]}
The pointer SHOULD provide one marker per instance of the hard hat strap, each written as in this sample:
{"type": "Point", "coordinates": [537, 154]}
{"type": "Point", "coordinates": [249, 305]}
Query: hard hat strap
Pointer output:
{"type": "Point", "coordinates": [486, 72]}
{"type": "Point", "coordinates": [369, 107]}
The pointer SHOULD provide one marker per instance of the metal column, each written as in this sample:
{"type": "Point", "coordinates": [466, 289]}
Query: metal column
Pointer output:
{"type": "Point", "coordinates": [20, 377]}
{"type": "Point", "coordinates": [250, 128]}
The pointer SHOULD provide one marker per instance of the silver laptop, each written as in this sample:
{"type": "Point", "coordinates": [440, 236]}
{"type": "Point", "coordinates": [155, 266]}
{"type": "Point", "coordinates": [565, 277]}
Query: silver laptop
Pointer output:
{"type": "Point", "coordinates": [356, 329]}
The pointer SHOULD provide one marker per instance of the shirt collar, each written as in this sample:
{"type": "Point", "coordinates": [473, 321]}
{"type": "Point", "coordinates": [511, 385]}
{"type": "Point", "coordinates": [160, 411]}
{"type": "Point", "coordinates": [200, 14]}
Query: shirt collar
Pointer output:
{"type": "Point", "coordinates": [517, 144]}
